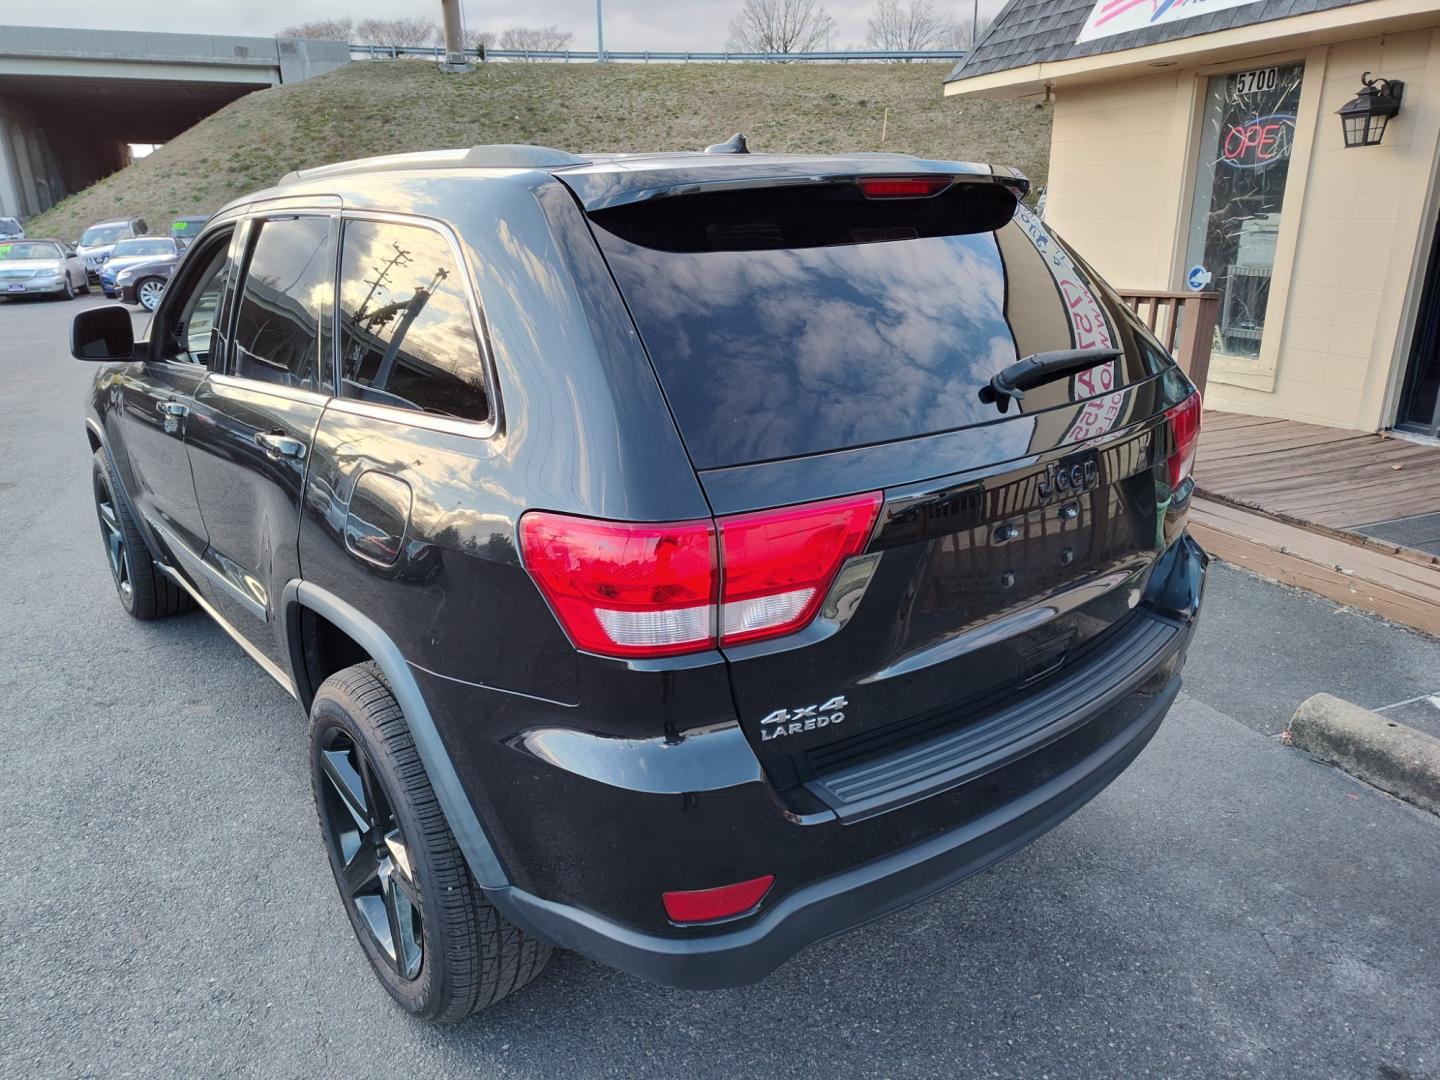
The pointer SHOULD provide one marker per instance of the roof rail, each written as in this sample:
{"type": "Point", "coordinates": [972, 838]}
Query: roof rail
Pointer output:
{"type": "Point", "coordinates": [499, 156]}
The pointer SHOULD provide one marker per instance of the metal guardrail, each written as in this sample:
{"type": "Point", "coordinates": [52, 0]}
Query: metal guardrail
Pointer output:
{"type": "Point", "coordinates": [437, 53]}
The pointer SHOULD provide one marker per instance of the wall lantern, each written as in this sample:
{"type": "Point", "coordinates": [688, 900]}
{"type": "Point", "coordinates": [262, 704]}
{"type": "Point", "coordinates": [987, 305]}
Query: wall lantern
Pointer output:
{"type": "Point", "coordinates": [1365, 116]}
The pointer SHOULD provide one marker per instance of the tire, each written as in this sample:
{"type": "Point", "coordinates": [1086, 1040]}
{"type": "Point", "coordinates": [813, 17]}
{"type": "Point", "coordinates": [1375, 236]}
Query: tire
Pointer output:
{"type": "Point", "coordinates": [147, 295]}
{"type": "Point", "coordinates": [85, 285]}
{"type": "Point", "coordinates": [67, 291]}
{"type": "Point", "coordinates": [450, 953]}
{"type": "Point", "coordinates": [144, 591]}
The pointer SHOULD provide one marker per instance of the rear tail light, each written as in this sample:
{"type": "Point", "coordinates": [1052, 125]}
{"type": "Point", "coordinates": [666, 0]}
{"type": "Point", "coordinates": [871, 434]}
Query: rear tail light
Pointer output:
{"type": "Point", "coordinates": [623, 589]}
{"type": "Point", "coordinates": [903, 187]}
{"type": "Point", "coordinates": [636, 590]}
{"type": "Point", "coordinates": [779, 564]}
{"type": "Point", "coordinates": [1185, 424]}
{"type": "Point", "coordinates": [706, 905]}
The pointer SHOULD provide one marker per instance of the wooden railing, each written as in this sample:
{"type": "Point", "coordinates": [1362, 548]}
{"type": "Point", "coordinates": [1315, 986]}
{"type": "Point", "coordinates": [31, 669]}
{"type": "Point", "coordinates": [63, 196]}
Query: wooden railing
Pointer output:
{"type": "Point", "coordinates": [1183, 321]}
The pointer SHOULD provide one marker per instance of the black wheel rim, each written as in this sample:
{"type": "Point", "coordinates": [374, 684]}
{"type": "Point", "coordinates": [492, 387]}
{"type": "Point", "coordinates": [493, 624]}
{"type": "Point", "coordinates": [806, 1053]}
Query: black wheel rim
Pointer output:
{"type": "Point", "coordinates": [370, 854]}
{"type": "Point", "coordinates": [114, 537]}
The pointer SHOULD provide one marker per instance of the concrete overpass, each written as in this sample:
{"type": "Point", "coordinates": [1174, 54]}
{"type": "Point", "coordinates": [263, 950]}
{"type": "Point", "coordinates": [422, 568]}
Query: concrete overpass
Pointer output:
{"type": "Point", "coordinates": [71, 100]}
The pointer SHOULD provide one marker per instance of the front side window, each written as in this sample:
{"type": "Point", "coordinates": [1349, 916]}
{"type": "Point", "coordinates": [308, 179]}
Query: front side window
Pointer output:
{"type": "Point", "coordinates": [282, 303]}
{"type": "Point", "coordinates": [1245, 141]}
{"type": "Point", "coordinates": [406, 335]}
{"type": "Point", "coordinates": [195, 333]}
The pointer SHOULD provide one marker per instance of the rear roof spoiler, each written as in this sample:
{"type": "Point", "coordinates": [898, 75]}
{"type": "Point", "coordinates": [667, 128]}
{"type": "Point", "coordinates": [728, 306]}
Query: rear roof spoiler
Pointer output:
{"type": "Point", "coordinates": [602, 186]}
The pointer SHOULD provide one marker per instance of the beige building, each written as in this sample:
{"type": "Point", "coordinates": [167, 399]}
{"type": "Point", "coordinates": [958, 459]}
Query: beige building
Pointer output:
{"type": "Point", "coordinates": [1196, 146]}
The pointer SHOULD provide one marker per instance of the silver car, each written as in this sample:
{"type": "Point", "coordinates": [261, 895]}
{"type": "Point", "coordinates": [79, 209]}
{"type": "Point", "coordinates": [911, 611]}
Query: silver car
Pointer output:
{"type": "Point", "coordinates": [46, 267]}
{"type": "Point", "coordinates": [11, 229]}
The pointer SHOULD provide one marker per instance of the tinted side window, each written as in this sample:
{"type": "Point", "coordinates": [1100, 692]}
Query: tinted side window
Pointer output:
{"type": "Point", "coordinates": [282, 302]}
{"type": "Point", "coordinates": [193, 332]}
{"type": "Point", "coordinates": [406, 335]}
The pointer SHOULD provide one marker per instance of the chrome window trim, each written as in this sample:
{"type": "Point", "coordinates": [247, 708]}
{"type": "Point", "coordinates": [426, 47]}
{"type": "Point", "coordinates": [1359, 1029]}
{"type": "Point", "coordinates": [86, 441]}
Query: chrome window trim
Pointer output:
{"type": "Point", "coordinates": [474, 429]}
{"type": "Point", "coordinates": [289, 393]}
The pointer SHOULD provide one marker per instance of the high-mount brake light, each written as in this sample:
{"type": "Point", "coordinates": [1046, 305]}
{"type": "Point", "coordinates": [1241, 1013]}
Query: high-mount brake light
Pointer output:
{"type": "Point", "coordinates": [706, 905]}
{"type": "Point", "coordinates": [643, 590]}
{"type": "Point", "coordinates": [902, 187]}
{"type": "Point", "coordinates": [1185, 423]}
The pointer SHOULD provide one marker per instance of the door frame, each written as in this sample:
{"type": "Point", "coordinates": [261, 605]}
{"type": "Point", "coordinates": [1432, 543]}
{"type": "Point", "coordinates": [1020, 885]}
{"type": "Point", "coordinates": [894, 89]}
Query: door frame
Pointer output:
{"type": "Point", "coordinates": [1424, 335]}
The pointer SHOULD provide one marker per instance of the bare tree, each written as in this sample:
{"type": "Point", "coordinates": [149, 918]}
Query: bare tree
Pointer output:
{"type": "Point", "coordinates": [322, 30]}
{"type": "Point", "coordinates": [780, 26]}
{"type": "Point", "coordinates": [398, 33]}
{"type": "Point", "coordinates": [480, 39]}
{"type": "Point", "coordinates": [911, 25]}
{"type": "Point", "coordinates": [536, 39]}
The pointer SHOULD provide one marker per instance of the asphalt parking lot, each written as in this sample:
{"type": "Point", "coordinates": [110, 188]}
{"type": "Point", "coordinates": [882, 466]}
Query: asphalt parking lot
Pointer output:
{"type": "Point", "coordinates": [1228, 908]}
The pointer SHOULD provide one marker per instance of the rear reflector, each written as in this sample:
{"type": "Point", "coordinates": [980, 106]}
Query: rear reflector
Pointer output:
{"type": "Point", "coordinates": [903, 187]}
{"type": "Point", "coordinates": [1185, 424]}
{"type": "Point", "coordinates": [635, 590]}
{"type": "Point", "coordinates": [706, 905]}
{"type": "Point", "coordinates": [779, 564]}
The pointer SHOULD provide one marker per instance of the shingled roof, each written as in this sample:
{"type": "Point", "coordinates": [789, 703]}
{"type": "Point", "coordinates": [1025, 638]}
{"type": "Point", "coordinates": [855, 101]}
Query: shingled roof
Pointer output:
{"type": "Point", "coordinates": [1041, 31]}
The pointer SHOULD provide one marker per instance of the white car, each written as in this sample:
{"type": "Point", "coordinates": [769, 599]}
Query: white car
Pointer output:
{"type": "Point", "coordinates": [100, 239]}
{"type": "Point", "coordinates": [44, 267]}
{"type": "Point", "coordinates": [11, 229]}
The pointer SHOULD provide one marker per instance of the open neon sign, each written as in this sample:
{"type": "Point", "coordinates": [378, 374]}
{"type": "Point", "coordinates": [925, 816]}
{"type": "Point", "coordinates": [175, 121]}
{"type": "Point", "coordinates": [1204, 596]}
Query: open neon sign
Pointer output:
{"type": "Point", "coordinates": [1256, 143]}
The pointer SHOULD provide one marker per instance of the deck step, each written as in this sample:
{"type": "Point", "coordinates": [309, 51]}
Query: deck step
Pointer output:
{"type": "Point", "coordinates": [1395, 587]}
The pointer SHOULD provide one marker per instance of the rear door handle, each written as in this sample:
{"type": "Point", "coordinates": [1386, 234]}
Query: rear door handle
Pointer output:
{"type": "Point", "coordinates": [278, 445]}
{"type": "Point", "coordinates": [171, 408]}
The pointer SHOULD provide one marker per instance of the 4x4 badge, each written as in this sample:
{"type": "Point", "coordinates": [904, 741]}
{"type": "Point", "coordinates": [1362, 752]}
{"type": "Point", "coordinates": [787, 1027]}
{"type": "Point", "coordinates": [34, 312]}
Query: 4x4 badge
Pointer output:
{"type": "Point", "coordinates": [802, 718]}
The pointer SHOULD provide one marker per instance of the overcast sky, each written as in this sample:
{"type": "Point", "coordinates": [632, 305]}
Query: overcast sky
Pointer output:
{"type": "Point", "coordinates": [629, 24]}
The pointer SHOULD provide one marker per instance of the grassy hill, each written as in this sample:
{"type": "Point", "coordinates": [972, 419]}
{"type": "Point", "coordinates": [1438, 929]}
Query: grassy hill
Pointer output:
{"type": "Point", "coordinates": [379, 107]}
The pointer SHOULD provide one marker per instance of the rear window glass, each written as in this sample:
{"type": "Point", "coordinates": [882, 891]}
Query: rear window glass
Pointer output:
{"type": "Point", "coordinates": [785, 322]}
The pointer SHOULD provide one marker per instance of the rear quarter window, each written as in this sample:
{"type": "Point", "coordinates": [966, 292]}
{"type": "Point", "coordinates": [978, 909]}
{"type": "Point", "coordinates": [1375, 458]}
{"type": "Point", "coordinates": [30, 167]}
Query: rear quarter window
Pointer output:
{"type": "Point", "coordinates": [407, 338]}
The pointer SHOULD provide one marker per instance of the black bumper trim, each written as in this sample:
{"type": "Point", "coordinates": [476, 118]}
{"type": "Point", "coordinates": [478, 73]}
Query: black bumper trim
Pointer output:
{"type": "Point", "coordinates": [833, 905]}
{"type": "Point", "coordinates": [878, 785]}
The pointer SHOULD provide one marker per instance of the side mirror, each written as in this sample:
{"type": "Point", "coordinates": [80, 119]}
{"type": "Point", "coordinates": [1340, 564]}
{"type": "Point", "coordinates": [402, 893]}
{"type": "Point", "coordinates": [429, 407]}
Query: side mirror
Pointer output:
{"type": "Point", "coordinates": [103, 333]}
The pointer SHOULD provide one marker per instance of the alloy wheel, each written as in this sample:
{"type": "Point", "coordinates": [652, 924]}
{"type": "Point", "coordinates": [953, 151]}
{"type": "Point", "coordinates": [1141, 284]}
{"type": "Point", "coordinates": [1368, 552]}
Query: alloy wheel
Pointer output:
{"type": "Point", "coordinates": [370, 854]}
{"type": "Point", "coordinates": [150, 293]}
{"type": "Point", "coordinates": [113, 535]}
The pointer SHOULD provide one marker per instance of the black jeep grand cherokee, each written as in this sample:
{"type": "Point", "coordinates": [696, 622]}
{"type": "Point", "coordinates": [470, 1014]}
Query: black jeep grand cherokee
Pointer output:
{"type": "Point", "coordinates": [681, 557]}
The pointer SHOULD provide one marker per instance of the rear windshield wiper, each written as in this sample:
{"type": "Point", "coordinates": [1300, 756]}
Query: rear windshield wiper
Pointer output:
{"type": "Point", "coordinates": [1039, 369]}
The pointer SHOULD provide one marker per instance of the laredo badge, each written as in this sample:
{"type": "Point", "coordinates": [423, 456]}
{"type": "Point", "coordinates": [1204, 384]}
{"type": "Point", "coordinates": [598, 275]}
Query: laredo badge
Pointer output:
{"type": "Point", "coordinates": [803, 718]}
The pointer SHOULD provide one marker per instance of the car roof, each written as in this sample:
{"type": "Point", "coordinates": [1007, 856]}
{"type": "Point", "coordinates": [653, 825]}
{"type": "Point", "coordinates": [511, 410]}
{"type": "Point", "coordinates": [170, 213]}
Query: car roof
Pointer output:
{"type": "Point", "coordinates": [601, 180]}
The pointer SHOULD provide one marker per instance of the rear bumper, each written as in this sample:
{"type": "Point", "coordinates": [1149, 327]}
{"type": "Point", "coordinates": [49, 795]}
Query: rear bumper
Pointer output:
{"type": "Point", "coordinates": [827, 907]}
{"type": "Point", "coordinates": [43, 287]}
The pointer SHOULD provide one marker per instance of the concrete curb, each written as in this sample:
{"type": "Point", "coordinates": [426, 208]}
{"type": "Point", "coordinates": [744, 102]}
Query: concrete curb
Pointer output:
{"type": "Point", "coordinates": [1388, 755]}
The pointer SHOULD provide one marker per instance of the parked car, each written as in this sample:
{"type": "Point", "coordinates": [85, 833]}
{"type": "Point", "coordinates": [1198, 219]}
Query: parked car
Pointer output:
{"type": "Point", "coordinates": [185, 229]}
{"type": "Point", "coordinates": [11, 229]}
{"type": "Point", "coordinates": [138, 269]}
{"type": "Point", "coordinates": [45, 267]}
{"type": "Point", "coordinates": [681, 558]}
{"type": "Point", "coordinates": [100, 239]}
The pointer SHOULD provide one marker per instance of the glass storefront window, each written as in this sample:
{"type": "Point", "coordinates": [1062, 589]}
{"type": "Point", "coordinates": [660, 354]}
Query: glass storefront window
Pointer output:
{"type": "Point", "coordinates": [1246, 134]}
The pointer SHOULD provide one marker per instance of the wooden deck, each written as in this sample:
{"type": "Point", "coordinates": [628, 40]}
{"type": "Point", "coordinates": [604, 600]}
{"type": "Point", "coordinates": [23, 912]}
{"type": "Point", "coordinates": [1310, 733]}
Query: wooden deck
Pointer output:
{"type": "Point", "coordinates": [1315, 475]}
{"type": "Point", "coordinates": [1281, 498]}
